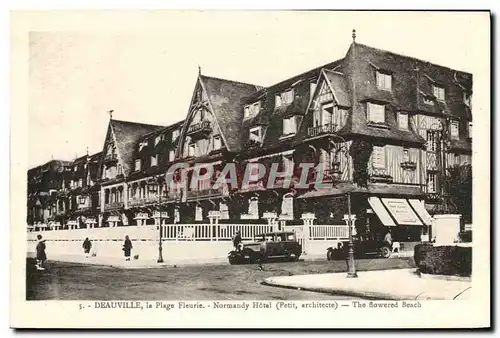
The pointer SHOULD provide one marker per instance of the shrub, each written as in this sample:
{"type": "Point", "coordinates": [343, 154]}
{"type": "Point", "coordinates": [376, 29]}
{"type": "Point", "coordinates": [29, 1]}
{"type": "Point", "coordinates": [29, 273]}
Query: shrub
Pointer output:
{"type": "Point", "coordinates": [465, 236]}
{"type": "Point", "coordinates": [443, 260]}
{"type": "Point", "coordinates": [419, 251]}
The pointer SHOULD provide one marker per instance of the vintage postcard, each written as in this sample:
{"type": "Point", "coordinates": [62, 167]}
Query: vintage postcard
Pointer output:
{"type": "Point", "coordinates": [250, 169]}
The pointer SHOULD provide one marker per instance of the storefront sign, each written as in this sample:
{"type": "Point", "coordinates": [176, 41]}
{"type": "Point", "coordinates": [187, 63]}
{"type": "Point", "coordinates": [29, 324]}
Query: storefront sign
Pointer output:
{"type": "Point", "coordinates": [401, 211]}
{"type": "Point", "coordinates": [141, 215]}
{"type": "Point", "coordinates": [164, 214]}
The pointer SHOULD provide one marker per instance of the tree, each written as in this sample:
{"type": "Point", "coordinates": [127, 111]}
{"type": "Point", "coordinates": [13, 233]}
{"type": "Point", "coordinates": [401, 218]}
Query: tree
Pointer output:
{"type": "Point", "coordinates": [458, 188]}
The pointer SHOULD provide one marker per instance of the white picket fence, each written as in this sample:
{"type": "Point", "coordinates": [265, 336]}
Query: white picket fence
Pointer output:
{"type": "Point", "coordinates": [193, 232]}
{"type": "Point", "coordinates": [328, 232]}
{"type": "Point", "coordinates": [212, 232]}
{"type": "Point", "coordinates": [98, 234]}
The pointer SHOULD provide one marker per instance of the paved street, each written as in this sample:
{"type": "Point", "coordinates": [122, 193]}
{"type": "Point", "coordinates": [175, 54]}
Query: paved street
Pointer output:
{"type": "Point", "coordinates": [69, 281]}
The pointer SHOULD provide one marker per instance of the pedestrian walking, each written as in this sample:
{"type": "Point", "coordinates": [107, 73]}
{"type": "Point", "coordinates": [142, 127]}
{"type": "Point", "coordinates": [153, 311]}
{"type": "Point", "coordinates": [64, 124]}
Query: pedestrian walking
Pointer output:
{"type": "Point", "coordinates": [87, 245]}
{"type": "Point", "coordinates": [41, 256]}
{"type": "Point", "coordinates": [127, 248]}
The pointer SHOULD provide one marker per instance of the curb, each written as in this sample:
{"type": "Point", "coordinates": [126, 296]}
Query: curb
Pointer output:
{"type": "Point", "coordinates": [354, 293]}
{"type": "Point", "coordinates": [378, 295]}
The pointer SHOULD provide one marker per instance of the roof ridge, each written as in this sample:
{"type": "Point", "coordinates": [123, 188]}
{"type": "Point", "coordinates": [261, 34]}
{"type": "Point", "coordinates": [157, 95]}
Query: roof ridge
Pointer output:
{"type": "Point", "coordinates": [333, 71]}
{"type": "Point", "coordinates": [138, 123]}
{"type": "Point", "coordinates": [233, 81]}
{"type": "Point", "coordinates": [338, 61]}
{"type": "Point", "coordinates": [411, 58]}
{"type": "Point", "coordinates": [161, 129]}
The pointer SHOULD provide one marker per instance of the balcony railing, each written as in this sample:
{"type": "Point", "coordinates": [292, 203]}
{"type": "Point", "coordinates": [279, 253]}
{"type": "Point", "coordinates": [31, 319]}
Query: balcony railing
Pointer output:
{"type": "Point", "coordinates": [329, 128]}
{"type": "Point", "coordinates": [200, 127]}
{"type": "Point", "coordinates": [113, 206]}
{"type": "Point", "coordinates": [110, 158]}
{"type": "Point", "coordinates": [144, 200]}
{"type": "Point", "coordinates": [193, 194]}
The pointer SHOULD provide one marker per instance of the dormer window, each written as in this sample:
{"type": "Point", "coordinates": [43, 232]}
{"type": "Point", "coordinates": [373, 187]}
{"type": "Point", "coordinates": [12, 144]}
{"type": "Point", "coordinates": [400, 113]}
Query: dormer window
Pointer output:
{"type": "Point", "coordinates": [154, 160]}
{"type": "Point", "coordinates": [217, 142]}
{"type": "Point", "coordinates": [142, 145]}
{"type": "Point", "coordinates": [284, 98]}
{"type": "Point", "coordinates": [438, 92]}
{"type": "Point", "coordinates": [403, 121]}
{"type": "Point", "coordinates": [75, 168]}
{"type": "Point", "coordinates": [251, 110]}
{"type": "Point", "coordinates": [454, 129]}
{"type": "Point", "coordinates": [175, 135]}
{"type": "Point", "coordinates": [384, 80]}
{"type": "Point", "coordinates": [375, 113]}
{"type": "Point", "coordinates": [158, 139]}
{"type": "Point", "coordinates": [137, 165]}
{"type": "Point", "coordinates": [256, 134]}
{"type": "Point", "coordinates": [289, 126]}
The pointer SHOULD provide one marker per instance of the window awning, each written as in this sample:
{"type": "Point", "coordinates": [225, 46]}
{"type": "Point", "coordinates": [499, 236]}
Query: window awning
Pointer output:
{"type": "Point", "coordinates": [419, 208]}
{"type": "Point", "coordinates": [401, 211]}
{"type": "Point", "coordinates": [381, 212]}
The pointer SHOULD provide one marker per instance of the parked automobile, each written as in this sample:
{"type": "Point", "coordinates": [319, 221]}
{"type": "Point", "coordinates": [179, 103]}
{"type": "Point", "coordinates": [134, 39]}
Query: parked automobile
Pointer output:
{"type": "Point", "coordinates": [268, 245]}
{"type": "Point", "coordinates": [362, 248]}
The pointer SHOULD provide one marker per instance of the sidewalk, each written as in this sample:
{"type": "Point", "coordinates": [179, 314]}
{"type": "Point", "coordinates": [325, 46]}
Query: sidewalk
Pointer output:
{"type": "Point", "coordinates": [132, 264]}
{"type": "Point", "coordinates": [399, 284]}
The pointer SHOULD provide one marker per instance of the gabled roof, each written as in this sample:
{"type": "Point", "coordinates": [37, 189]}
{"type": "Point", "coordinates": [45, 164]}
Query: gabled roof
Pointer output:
{"type": "Point", "coordinates": [338, 84]}
{"type": "Point", "coordinates": [126, 136]}
{"type": "Point", "coordinates": [272, 117]}
{"type": "Point", "coordinates": [411, 78]}
{"type": "Point", "coordinates": [226, 98]}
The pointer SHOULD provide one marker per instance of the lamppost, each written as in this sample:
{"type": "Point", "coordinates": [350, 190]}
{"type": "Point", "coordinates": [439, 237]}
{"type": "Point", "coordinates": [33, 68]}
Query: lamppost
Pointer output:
{"type": "Point", "coordinates": [157, 181]}
{"type": "Point", "coordinates": [351, 268]}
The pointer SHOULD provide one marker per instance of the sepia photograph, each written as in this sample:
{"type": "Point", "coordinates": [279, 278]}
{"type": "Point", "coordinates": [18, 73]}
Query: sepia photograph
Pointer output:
{"type": "Point", "coordinates": [244, 161]}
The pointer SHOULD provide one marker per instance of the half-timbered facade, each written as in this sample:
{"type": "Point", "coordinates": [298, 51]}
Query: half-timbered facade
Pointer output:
{"type": "Point", "coordinates": [375, 125]}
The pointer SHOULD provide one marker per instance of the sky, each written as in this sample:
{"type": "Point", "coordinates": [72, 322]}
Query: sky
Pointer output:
{"type": "Point", "coordinates": [144, 64]}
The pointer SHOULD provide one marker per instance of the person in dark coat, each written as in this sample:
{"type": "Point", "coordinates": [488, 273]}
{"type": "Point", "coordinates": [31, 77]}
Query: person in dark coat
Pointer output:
{"type": "Point", "coordinates": [87, 245]}
{"type": "Point", "coordinates": [41, 256]}
{"type": "Point", "coordinates": [237, 240]}
{"type": "Point", "coordinates": [127, 248]}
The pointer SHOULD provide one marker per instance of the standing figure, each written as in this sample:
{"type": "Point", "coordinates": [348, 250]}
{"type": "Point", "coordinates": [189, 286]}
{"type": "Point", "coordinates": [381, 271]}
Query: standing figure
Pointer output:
{"type": "Point", "coordinates": [87, 245]}
{"type": "Point", "coordinates": [388, 238]}
{"type": "Point", "coordinates": [237, 241]}
{"type": "Point", "coordinates": [127, 248]}
{"type": "Point", "coordinates": [41, 256]}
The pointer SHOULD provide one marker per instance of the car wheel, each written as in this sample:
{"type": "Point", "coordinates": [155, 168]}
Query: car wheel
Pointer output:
{"type": "Point", "coordinates": [329, 255]}
{"type": "Point", "coordinates": [232, 260]}
{"type": "Point", "coordinates": [385, 252]}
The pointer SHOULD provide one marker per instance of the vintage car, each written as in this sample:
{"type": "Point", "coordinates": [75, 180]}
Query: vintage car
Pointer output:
{"type": "Point", "coordinates": [268, 245]}
{"type": "Point", "coordinates": [362, 248]}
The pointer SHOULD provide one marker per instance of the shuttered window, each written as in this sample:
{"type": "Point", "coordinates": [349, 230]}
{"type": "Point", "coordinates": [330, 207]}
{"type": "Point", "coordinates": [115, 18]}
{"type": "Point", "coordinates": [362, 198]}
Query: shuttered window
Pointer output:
{"type": "Point", "coordinates": [198, 213]}
{"type": "Point", "coordinates": [289, 126]}
{"type": "Point", "coordinates": [454, 129]}
{"type": "Point", "coordinates": [253, 206]}
{"type": "Point", "coordinates": [403, 121]}
{"type": "Point", "coordinates": [378, 157]}
{"type": "Point", "coordinates": [384, 81]}
{"type": "Point", "coordinates": [376, 113]}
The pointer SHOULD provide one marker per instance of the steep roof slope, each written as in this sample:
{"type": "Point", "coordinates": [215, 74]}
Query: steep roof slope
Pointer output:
{"type": "Point", "coordinates": [226, 98]}
{"type": "Point", "coordinates": [126, 136]}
